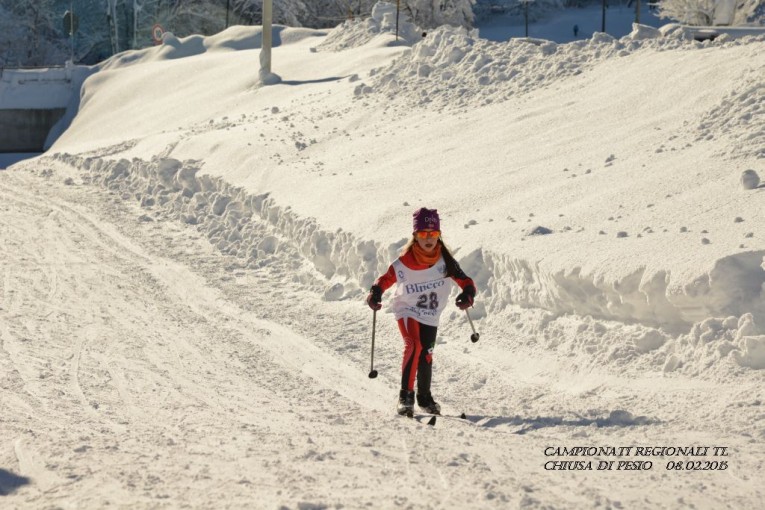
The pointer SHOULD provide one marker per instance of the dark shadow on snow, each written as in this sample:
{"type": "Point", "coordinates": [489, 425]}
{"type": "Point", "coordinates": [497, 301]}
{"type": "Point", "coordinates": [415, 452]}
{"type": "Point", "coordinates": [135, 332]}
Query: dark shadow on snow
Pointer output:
{"type": "Point", "coordinates": [9, 482]}
{"type": "Point", "coordinates": [11, 158]}
{"type": "Point", "coordinates": [615, 419]}
{"type": "Point", "coordinates": [320, 80]}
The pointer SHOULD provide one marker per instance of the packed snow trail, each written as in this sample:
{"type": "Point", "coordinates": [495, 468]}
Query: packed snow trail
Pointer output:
{"type": "Point", "coordinates": [140, 367]}
{"type": "Point", "coordinates": [127, 379]}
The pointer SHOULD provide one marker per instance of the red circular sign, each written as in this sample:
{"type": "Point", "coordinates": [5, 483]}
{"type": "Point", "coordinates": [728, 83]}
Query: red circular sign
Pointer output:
{"type": "Point", "coordinates": [156, 33]}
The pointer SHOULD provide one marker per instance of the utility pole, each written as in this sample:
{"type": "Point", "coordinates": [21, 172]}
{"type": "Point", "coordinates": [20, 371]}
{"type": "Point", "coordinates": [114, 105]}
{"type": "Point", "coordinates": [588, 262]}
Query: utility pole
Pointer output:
{"type": "Point", "coordinates": [637, 11]}
{"type": "Point", "coordinates": [266, 76]}
{"type": "Point", "coordinates": [526, 14]}
{"type": "Point", "coordinates": [71, 29]}
{"type": "Point", "coordinates": [112, 4]}
{"type": "Point", "coordinates": [398, 7]}
{"type": "Point", "coordinates": [71, 22]}
{"type": "Point", "coordinates": [603, 27]}
{"type": "Point", "coordinates": [265, 50]}
{"type": "Point", "coordinates": [136, 9]}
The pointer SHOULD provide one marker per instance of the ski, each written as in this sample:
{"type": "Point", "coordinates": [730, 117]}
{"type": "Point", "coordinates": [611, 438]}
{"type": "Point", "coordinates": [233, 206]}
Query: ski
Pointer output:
{"type": "Point", "coordinates": [461, 417]}
{"type": "Point", "coordinates": [430, 417]}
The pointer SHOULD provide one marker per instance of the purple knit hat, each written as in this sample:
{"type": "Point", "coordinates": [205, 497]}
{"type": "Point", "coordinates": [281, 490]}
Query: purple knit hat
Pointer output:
{"type": "Point", "coordinates": [426, 219]}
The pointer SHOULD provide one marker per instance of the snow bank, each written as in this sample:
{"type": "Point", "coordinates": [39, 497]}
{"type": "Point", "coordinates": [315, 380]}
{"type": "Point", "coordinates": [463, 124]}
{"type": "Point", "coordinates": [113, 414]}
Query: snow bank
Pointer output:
{"type": "Point", "coordinates": [249, 226]}
{"type": "Point", "coordinates": [454, 67]}
{"type": "Point", "coordinates": [735, 338]}
{"type": "Point", "coordinates": [236, 38]}
{"type": "Point", "coordinates": [355, 33]}
{"type": "Point", "coordinates": [713, 348]}
{"type": "Point", "coordinates": [78, 76]}
{"type": "Point", "coordinates": [736, 285]}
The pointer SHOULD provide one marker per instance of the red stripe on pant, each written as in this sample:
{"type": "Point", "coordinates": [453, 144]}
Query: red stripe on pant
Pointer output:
{"type": "Point", "coordinates": [410, 331]}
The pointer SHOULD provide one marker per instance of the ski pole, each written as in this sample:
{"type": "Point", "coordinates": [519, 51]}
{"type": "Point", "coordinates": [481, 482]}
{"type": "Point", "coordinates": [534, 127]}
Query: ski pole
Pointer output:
{"type": "Point", "coordinates": [372, 371]}
{"type": "Point", "coordinates": [475, 336]}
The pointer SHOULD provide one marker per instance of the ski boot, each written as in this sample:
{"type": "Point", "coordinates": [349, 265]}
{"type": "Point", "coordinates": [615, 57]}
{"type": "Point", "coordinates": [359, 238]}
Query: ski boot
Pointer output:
{"type": "Point", "coordinates": [427, 404]}
{"type": "Point", "coordinates": [406, 403]}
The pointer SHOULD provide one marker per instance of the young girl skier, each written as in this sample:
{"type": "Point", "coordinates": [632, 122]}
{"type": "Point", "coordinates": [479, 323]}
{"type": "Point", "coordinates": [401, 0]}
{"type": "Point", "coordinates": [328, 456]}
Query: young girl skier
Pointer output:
{"type": "Point", "coordinates": [423, 274]}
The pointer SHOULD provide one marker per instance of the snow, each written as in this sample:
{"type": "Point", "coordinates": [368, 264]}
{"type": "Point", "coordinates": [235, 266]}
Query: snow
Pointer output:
{"type": "Point", "coordinates": [182, 319]}
{"type": "Point", "coordinates": [35, 88]}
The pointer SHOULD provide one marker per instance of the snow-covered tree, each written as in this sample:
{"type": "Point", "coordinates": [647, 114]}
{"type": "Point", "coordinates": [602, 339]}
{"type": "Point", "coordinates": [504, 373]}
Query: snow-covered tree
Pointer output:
{"type": "Point", "coordinates": [285, 12]}
{"type": "Point", "coordinates": [690, 12]}
{"type": "Point", "coordinates": [329, 13]}
{"type": "Point", "coordinates": [181, 17]}
{"type": "Point", "coordinates": [30, 34]}
{"type": "Point", "coordinates": [307, 13]}
{"type": "Point", "coordinates": [433, 13]}
{"type": "Point", "coordinates": [712, 12]}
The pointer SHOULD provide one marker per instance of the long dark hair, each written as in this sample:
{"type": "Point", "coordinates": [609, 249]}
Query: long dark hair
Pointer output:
{"type": "Point", "coordinates": [452, 268]}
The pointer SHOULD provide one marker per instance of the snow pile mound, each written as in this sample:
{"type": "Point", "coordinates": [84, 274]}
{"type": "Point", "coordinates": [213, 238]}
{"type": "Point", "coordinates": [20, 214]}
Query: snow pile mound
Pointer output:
{"type": "Point", "coordinates": [737, 339]}
{"type": "Point", "coordinates": [236, 38]}
{"type": "Point", "coordinates": [599, 343]}
{"type": "Point", "coordinates": [250, 227]}
{"type": "Point", "coordinates": [644, 32]}
{"type": "Point", "coordinates": [355, 33]}
{"type": "Point", "coordinates": [712, 346]}
{"type": "Point", "coordinates": [740, 117]}
{"type": "Point", "coordinates": [453, 67]}
{"type": "Point", "coordinates": [734, 286]}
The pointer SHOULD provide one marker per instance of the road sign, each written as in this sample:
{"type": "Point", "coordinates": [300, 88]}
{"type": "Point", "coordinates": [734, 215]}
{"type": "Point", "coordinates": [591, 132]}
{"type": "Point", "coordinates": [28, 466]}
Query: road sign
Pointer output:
{"type": "Point", "coordinates": [156, 33]}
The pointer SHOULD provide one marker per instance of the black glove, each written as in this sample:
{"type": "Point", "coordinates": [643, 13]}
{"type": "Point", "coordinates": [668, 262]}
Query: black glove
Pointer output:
{"type": "Point", "coordinates": [374, 298]}
{"type": "Point", "coordinates": [465, 298]}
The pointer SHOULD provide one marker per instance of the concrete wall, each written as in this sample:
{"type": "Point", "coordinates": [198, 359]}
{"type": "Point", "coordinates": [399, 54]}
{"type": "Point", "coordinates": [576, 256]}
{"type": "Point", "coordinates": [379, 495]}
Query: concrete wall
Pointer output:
{"type": "Point", "coordinates": [25, 130]}
{"type": "Point", "coordinates": [31, 102]}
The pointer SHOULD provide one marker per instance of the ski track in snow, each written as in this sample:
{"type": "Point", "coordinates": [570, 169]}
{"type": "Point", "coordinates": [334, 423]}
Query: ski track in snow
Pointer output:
{"type": "Point", "coordinates": [141, 366]}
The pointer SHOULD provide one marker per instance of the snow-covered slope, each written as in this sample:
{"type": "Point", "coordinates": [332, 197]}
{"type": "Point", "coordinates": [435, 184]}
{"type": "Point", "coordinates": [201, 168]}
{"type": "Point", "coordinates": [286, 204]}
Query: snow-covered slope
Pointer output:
{"type": "Point", "coordinates": [630, 151]}
{"type": "Point", "coordinates": [204, 244]}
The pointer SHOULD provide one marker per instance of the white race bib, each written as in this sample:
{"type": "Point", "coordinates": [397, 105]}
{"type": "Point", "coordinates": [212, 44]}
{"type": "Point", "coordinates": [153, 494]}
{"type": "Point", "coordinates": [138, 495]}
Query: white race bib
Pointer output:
{"type": "Point", "coordinates": [421, 294]}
